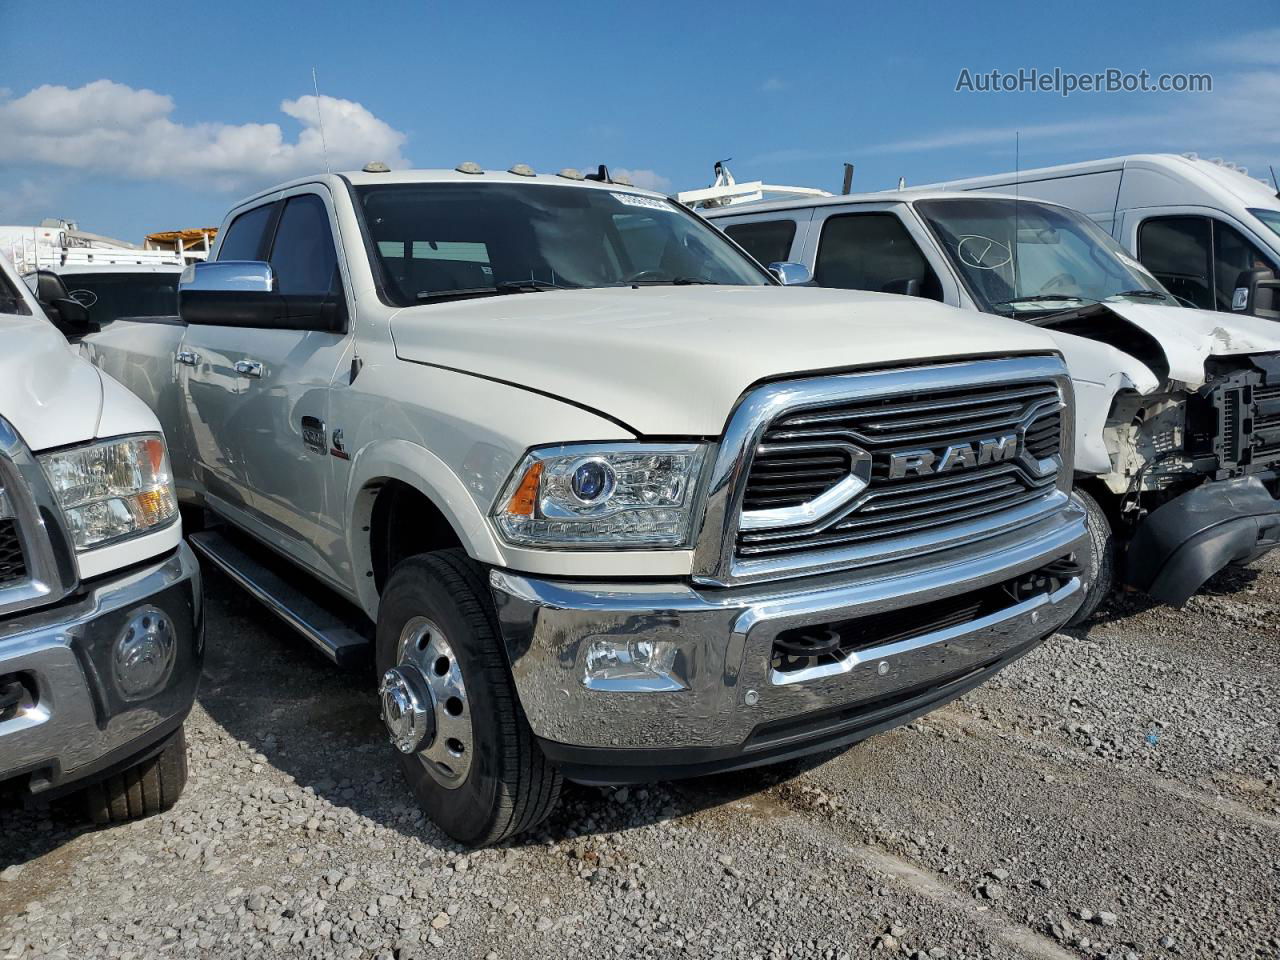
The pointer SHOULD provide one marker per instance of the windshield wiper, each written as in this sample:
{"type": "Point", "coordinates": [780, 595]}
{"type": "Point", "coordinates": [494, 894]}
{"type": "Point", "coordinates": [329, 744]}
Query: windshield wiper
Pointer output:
{"type": "Point", "coordinates": [1145, 294]}
{"type": "Point", "coordinates": [498, 289]}
{"type": "Point", "coordinates": [1041, 298]}
{"type": "Point", "coordinates": [673, 282]}
{"type": "Point", "coordinates": [528, 286]}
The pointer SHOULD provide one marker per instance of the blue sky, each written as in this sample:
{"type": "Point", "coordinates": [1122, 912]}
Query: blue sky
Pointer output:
{"type": "Point", "coordinates": [131, 117]}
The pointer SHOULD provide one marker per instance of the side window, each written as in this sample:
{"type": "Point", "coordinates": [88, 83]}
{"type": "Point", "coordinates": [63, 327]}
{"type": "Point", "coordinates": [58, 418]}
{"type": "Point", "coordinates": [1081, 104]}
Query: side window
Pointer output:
{"type": "Point", "coordinates": [769, 241]}
{"type": "Point", "coordinates": [1232, 254]}
{"type": "Point", "coordinates": [873, 251]}
{"type": "Point", "coordinates": [303, 255]}
{"type": "Point", "coordinates": [1177, 250]}
{"type": "Point", "coordinates": [244, 238]}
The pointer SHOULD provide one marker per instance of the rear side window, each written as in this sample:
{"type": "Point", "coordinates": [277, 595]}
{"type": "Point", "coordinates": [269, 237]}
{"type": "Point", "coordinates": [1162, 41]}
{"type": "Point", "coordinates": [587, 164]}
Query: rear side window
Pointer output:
{"type": "Point", "coordinates": [244, 239]}
{"type": "Point", "coordinates": [303, 255]}
{"type": "Point", "coordinates": [769, 241]}
{"type": "Point", "coordinates": [872, 251]}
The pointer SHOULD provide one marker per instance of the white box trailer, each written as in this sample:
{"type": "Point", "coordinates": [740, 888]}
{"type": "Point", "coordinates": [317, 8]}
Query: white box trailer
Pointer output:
{"type": "Point", "coordinates": [1208, 230]}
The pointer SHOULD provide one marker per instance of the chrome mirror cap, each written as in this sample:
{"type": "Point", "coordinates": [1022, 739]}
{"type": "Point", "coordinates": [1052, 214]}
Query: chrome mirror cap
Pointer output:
{"type": "Point", "coordinates": [790, 274]}
{"type": "Point", "coordinates": [228, 276]}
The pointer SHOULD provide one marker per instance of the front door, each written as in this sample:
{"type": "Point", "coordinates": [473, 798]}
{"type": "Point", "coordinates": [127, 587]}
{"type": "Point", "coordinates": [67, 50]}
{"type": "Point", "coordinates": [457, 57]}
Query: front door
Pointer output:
{"type": "Point", "coordinates": [267, 392]}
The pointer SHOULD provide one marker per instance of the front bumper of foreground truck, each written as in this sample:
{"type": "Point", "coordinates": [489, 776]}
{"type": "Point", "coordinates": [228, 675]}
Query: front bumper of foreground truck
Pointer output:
{"type": "Point", "coordinates": [628, 682]}
{"type": "Point", "coordinates": [85, 689]}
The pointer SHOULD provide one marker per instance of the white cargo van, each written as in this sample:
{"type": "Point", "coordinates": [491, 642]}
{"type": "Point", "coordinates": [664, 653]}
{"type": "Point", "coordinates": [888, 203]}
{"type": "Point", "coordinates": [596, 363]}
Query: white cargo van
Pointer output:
{"type": "Point", "coordinates": [1208, 230]}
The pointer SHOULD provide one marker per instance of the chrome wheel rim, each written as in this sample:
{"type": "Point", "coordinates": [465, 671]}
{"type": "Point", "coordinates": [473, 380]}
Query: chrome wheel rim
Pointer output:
{"type": "Point", "coordinates": [446, 756]}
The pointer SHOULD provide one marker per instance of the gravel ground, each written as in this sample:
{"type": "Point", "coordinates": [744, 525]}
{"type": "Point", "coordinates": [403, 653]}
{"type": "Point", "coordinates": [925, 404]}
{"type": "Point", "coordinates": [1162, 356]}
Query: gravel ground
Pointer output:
{"type": "Point", "coordinates": [1112, 795]}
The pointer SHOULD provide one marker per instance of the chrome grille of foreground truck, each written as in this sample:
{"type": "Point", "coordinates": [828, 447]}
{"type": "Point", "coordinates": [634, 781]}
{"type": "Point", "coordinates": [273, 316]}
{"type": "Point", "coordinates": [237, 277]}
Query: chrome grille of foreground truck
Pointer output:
{"type": "Point", "coordinates": [921, 456]}
{"type": "Point", "coordinates": [13, 566]}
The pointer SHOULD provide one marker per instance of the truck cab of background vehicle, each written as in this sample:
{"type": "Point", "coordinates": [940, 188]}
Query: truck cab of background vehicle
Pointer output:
{"type": "Point", "coordinates": [600, 497]}
{"type": "Point", "coordinates": [1208, 231]}
{"type": "Point", "coordinates": [101, 638]}
{"type": "Point", "coordinates": [1177, 434]}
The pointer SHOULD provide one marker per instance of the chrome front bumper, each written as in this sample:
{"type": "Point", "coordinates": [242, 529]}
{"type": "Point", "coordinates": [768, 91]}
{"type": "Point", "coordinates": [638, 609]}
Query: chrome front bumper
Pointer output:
{"type": "Point", "coordinates": [73, 722]}
{"type": "Point", "coordinates": [726, 698]}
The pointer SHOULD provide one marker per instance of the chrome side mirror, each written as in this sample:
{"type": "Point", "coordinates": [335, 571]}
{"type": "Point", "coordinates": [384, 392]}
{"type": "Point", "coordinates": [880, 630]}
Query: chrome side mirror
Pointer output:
{"type": "Point", "coordinates": [228, 276]}
{"type": "Point", "coordinates": [790, 274]}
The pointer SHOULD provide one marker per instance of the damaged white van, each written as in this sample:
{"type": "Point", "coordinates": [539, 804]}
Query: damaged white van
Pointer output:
{"type": "Point", "coordinates": [1178, 423]}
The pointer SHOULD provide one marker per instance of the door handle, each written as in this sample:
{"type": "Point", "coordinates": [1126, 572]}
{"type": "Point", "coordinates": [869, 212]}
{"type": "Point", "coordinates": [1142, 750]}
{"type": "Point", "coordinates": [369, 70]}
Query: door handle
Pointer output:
{"type": "Point", "coordinates": [188, 357]}
{"type": "Point", "coordinates": [249, 368]}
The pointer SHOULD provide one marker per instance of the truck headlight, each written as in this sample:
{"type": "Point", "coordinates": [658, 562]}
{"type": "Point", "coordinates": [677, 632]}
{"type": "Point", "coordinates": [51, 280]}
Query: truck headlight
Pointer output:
{"type": "Point", "coordinates": [622, 495]}
{"type": "Point", "coordinates": [112, 490]}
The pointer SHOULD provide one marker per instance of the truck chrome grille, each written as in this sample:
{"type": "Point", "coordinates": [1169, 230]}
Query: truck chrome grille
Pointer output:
{"type": "Point", "coordinates": [13, 565]}
{"type": "Point", "coordinates": [803, 454]}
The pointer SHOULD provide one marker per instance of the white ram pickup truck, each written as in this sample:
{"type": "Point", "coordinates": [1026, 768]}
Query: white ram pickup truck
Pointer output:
{"type": "Point", "coordinates": [101, 639]}
{"type": "Point", "coordinates": [1178, 410]}
{"type": "Point", "coordinates": [603, 500]}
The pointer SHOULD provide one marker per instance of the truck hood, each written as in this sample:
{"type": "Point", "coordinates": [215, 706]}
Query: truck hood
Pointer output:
{"type": "Point", "coordinates": [674, 360]}
{"type": "Point", "coordinates": [50, 395]}
{"type": "Point", "coordinates": [1176, 343]}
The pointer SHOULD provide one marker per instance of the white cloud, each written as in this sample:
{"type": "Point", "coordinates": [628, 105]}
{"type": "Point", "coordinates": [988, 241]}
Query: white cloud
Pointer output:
{"type": "Point", "coordinates": [1261, 46]}
{"type": "Point", "coordinates": [646, 179]}
{"type": "Point", "coordinates": [110, 128]}
{"type": "Point", "coordinates": [24, 201]}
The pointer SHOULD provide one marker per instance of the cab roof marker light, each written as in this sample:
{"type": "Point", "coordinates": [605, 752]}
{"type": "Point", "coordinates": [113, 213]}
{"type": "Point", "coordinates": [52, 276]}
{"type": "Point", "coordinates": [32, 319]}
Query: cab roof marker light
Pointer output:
{"type": "Point", "coordinates": [622, 180]}
{"type": "Point", "coordinates": [469, 167]}
{"type": "Point", "coordinates": [376, 166]}
{"type": "Point", "coordinates": [522, 170]}
{"type": "Point", "coordinates": [570, 173]}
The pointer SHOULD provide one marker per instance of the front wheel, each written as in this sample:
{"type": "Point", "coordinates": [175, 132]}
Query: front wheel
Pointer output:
{"type": "Point", "coordinates": [142, 790]}
{"type": "Point", "coordinates": [450, 705]}
{"type": "Point", "coordinates": [1100, 564]}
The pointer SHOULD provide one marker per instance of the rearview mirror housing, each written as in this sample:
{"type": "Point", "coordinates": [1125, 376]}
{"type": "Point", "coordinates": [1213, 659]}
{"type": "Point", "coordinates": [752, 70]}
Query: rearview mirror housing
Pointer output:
{"type": "Point", "coordinates": [790, 274]}
{"type": "Point", "coordinates": [245, 293]}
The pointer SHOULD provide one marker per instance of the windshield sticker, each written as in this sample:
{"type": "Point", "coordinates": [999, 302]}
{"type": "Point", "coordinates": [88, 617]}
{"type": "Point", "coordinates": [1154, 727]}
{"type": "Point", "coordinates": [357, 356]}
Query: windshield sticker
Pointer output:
{"type": "Point", "coordinates": [635, 200]}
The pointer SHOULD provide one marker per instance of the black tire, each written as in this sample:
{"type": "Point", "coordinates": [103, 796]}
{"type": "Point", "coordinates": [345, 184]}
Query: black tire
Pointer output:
{"type": "Point", "coordinates": [510, 786]}
{"type": "Point", "coordinates": [147, 788]}
{"type": "Point", "coordinates": [1100, 564]}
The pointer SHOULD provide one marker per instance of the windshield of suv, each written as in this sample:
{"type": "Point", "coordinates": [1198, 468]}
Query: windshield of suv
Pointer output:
{"type": "Point", "coordinates": [439, 241]}
{"type": "Point", "coordinates": [110, 296]}
{"type": "Point", "coordinates": [1270, 217]}
{"type": "Point", "coordinates": [1060, 258]}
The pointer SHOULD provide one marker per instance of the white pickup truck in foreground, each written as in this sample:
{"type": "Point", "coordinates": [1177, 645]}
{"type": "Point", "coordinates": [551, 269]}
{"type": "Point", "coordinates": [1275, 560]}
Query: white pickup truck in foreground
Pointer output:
{"type": "Point", "coordinates": [602, 499]}
{"type": "Point", "coordinates": [1178, 410]}
{"type": "Point", "coordinates": [101, 638]}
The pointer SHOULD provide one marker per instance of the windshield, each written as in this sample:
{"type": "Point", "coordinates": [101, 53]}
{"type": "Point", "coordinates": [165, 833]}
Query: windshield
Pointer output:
{"type": "Point", "coordinates": [1270, 217]}
{"type": "Point", "coordinates": [110, 296]}
{"type": "Point", "coordinates": [447, 240]}
{"type": "Point", "coordinates": [1061, 258]}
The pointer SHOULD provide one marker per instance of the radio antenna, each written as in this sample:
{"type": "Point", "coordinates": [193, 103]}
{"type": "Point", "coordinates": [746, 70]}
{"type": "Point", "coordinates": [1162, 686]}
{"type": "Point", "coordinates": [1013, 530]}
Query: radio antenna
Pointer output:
{"type": "Point", "coordinates": [1273, 180]}
{"type": "Point", "coordinates": [324, 146]}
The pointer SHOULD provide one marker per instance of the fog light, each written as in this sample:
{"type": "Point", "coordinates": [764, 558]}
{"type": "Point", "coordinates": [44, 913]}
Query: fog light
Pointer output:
{"type": "Point", "coordinates": [626, 664]}
{"type": "Point", "coordinates": [143, 656]}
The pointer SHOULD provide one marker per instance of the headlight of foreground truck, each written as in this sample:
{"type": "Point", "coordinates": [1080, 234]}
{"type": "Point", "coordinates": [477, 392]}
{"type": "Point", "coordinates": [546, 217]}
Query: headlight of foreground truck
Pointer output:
{"type": "Point", "coordinates": [113, 490]}
{"type": "Point", "coordinates": [602, 495]}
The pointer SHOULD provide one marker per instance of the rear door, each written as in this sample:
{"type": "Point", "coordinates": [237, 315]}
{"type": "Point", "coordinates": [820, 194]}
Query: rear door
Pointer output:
{"type": "Point", "coordinates": [267, 388]}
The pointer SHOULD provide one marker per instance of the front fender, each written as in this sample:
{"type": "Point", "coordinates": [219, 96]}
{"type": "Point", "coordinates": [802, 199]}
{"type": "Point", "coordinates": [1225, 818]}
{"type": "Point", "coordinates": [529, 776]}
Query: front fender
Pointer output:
{"type": "Point", "coordinates": [1099, 372]}
{"type": "Point", "coordinates": [419, 468]}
